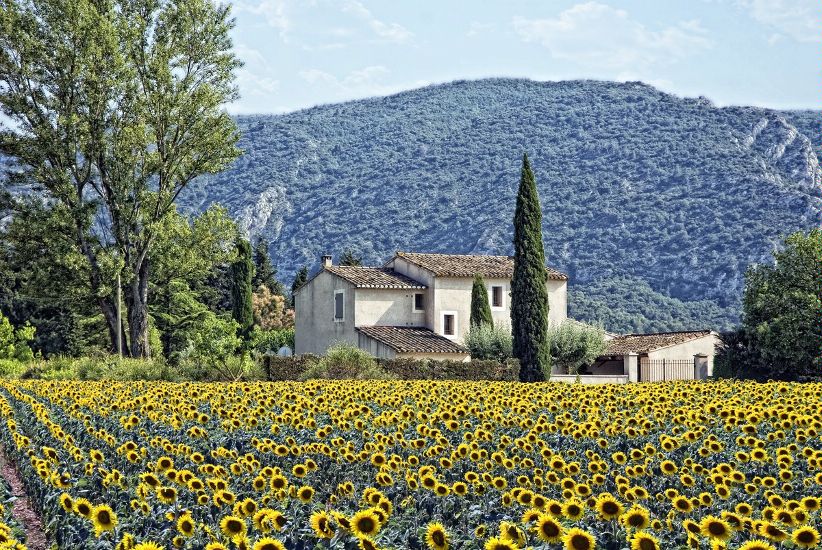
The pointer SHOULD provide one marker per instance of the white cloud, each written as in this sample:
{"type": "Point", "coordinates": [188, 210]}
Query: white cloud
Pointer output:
{"type": "Point", "coordinates": [799, 19]}
{"type": "Point", "coordinates": [476, 28]}
{"type": "Point", "coordinates": [597, 36]}
{"type": "Point", "coordinates": [273, 11]}
{"type": "Point", "coordinates": [393, 32]}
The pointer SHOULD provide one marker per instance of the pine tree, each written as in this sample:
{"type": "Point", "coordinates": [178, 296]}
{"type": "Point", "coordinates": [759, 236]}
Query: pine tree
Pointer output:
{"type": "Point", "coordinates": [529, 295]}
{"type": "Point", "coordinates": [299, 280]}
{"type": "Point", "coordinates": [480, 308]}
{"type": "Point", "coordinates": [349, 258]}
{"type": "Point", "coordinates": [264, 271]}
{"type": "Point", "coordinates": [241, 290]}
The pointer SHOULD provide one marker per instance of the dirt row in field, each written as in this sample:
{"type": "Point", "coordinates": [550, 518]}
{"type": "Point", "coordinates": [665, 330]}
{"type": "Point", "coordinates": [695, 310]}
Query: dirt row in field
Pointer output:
{"type": "Point", "coordinates": [23, 512]}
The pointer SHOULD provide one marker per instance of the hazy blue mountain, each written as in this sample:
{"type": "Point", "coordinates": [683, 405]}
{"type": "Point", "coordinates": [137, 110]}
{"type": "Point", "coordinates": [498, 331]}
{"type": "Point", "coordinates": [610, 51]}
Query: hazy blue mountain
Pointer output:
{"type": "Point", "coordinates": [653, 204]}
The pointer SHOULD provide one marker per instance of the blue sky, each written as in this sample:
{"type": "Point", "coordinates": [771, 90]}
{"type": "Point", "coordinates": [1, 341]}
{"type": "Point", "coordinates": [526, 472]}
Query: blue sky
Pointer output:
{"type": "Point", "coordinates": [306, 52]}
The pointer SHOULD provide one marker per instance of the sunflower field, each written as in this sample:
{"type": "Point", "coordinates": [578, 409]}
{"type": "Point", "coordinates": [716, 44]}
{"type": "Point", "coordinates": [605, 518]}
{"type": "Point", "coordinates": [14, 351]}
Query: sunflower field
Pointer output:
{"type": "Point", "coordinates": [418, 464]}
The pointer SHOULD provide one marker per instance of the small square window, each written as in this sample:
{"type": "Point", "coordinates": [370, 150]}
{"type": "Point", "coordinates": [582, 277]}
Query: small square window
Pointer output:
{"type": "Point", "coordinates": [419, 302]}
{"type": "Point", "coordinates": [496, 296]}
{"type": "Point", "coordinates": [448, 325]}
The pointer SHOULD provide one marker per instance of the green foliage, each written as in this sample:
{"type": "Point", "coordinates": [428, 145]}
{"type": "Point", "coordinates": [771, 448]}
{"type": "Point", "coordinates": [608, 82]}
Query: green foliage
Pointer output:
{"type": "Point", "coordinates": [782, 310]}
{"type": "Point", "coordinates": [529, 295]}
{"type": "Point", "coordinates": [489, 342]}
{"type": "Point", "coordinates": [349, 258]}
{"type": "Point", "coordinates": [343, 361]}
{"type": "Point", "coordinates": [269, 341]}
{"type": "Point", "coordinates": [574, 345]}
{"type": "Point", "coordinates": [215, 351]}
{"type": "Point", "coordinates": [637, 184]}
{"type": "Point", "coordinates": [480, 308]}
{"type": "Point", "coordinates": [14, 343]}
{"type": "Point", "coordinates": [101, 367]}
{"type": "Point", "coordinates": [241, 289]}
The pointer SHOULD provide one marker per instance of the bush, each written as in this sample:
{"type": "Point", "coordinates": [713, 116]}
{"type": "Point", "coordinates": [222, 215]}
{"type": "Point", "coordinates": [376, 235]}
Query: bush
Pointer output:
{"type": "Point", "coordinates": [574, 345]}
{"type": "Point", "coordinates": [489, 342]}
{"type": "Point", "coordinates": [263, 341]}
{"type": "Point", "coordinates": [102, 367]}
{"type": "Point", "coordinates": [343, 361]}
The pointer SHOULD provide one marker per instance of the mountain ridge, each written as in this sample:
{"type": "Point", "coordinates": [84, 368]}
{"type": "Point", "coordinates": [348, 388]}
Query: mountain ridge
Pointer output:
{"type": "Point", "coordinates": [673, 196]}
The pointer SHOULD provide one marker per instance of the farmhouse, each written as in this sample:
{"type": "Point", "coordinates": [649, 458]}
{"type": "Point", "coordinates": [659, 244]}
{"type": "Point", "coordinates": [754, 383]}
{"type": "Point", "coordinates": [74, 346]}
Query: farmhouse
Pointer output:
{"type": "Point", "coordinates": [416, 305]}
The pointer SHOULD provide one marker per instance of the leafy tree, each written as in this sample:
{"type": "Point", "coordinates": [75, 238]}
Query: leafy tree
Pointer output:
{"type": "Point", "coordinates": [270, 310]}
{"type": "Point", "coordinates": [480, 308]}
{"type": "Point", "coordinates": [299, 280]}
{"type": "Point", "coordinates": [216, 348]}
{"type": "Point", "coordinates": [241, 291]}
{"type": "Point", "coordinates": [114, 109]}
{"type": "Point", "coordinates": [14, 343]}
{"type": "Point", "coordinates": [348, 257]}
{"type": "Point", "coordinates": [529, 294]}
{"type": "Point", "coordinates": [574, 345]}
{"type": "Point", "coordinates": [264, 271]}
{"type": "Point", "coordinates": [487, 341]}
{"type": "Point", "coordinates": [782, 310]}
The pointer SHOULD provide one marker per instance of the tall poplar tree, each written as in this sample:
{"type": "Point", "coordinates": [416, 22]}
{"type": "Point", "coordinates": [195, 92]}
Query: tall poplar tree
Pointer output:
{"type": "Point", "coordinates": [480, 308]}
{"type": "Point", "coordinates": [114, 108]}
{"type": "Point", "coordinates": [529, 294]}
{"type": "Point", "coordinates": [241, 289]}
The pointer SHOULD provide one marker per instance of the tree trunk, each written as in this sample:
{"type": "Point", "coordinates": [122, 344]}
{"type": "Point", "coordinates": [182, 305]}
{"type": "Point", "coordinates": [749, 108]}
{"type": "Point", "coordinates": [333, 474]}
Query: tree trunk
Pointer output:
{"type": "Point", "coordinates": [138, 311]}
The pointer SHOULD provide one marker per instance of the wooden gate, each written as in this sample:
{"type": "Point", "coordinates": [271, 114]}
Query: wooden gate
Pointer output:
{"type": "Point", "coordinates": [662, 370]}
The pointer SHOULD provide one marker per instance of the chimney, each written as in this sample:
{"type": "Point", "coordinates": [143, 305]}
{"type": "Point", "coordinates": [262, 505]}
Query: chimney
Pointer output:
{"type": "Point", "coordinates": [326, 261]}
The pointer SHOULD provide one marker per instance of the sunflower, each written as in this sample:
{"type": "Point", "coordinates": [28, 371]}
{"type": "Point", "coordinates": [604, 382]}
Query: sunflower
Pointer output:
{"type": "Point", "coordinates": [548, 529]}
{"type": "Point", "coordinates": [367, 544]}
{"type": "Point", "coordinates": [577, 539]}
{"type": "Point", "coordinates": [305, 493]}
{"type": "Point", "coordinates": [636, 518]}
{"type": "Point", "coordinates": [103, 518]}
{"type": "Point", "coordinates": [365, 524]}
{"type": "Point", "coordinates": [321, 523]}
{"type": "Point", "coordinates": [267, 543]}
{"type": "Point", "coordinates": [757, 545]}
{"type": "Point", "coordinates": [805, 537]}
{"type": "Point", "coordinates": [166, 494]}
{"type": "Point", "coordinates": [495, 543]}
{"type": "Point", "coordinates": [233, 527]}
{"type": "Point", "coordinates": [572, 509]}
{"type": "Point", "coordinates": [185, 525]}
{"type": "Point", "coordinates": [148, 545]}
{"type": "Point", "coordinates": [608, 507]}
{"type": "Point", "coordinates": [66, 502]}
{"type": "Point", "coordinates": [682, 504]}
{"type": "Point", "coordinates": [83, 507]}
{"type": "Point", "coordinates": [436, 537]}
{"type": "Point", "coordinates": [644, 541]}
{"type": "Point", "coordinates": [772, 531]}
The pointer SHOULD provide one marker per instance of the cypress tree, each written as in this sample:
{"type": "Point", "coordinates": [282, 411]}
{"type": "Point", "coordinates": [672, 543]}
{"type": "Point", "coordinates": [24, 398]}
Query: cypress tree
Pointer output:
{"type": "Point", "coordinates": [529, 295]}
{"type": "Point", "coordinates": [241, 289]}
{"type": "Point", "coordinates": [480, 308]}
{"type": "Point", "coordinates": [264, 271]}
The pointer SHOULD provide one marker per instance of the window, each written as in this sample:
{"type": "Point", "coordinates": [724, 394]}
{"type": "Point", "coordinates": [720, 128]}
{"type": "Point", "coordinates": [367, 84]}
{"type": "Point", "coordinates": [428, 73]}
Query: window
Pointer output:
{"type": "Point", "coordinates": [419, 301]}
{"type": "Point", "coordinates": [449, 323]}
{"type": "Point", "coordinates": [496, 297]}
{"type": "Point", "coordinates": [339, 305]}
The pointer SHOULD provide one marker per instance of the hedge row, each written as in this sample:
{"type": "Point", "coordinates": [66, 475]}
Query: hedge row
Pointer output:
{"type": "Point", "coordinates": [292, 368]}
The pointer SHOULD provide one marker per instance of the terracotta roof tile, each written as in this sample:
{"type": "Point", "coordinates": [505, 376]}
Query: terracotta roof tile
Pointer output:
{"type": "Point", "coordinates": [412, 339]}
{"type": "Point", "coordinates": [467, 265]}
{"type": "Point", "coordinates": [374, 277]}
{"type": "Point", "coordinates": [643, 343]}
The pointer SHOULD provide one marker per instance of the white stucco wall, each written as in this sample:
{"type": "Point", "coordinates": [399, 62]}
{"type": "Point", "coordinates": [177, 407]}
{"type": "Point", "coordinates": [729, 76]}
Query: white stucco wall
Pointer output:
{"type": "Point", "coordinates": [388, 307]}
{"type": "Point", "coordinates": [425, 277]}
{"type": "Point", "coordinates": [315, 329]}
{"type": "Point", "coordinates": [687, 350]}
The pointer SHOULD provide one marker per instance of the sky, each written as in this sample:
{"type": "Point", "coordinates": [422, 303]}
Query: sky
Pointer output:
{"type": "Point", "coordinates": [301, 53]}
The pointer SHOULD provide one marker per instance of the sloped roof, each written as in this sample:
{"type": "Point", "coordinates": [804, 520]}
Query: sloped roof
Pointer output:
{"type": "Point", "coordinates": [643, 343]}
{"type": "Point", "coordinates": [374, 277]}
{"type": "Point", "coordinates": [412, 339]}
{"type": "Point", "coordinates": [468, 265]}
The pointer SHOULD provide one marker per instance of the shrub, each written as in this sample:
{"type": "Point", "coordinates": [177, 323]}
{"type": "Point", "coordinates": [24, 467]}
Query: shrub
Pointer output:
{"type": "Point", "coordinates": [269, 341]}
{"type": "Point", "coordinates": [101, 367]}
{"type": "Point", "coordinates": [343, 361]}
{"type": "Point", "coordinates": [14, 343]}
{"type": "Point", "coordinates": [574, 345]}
{"type": "Point", "coordinates": [489, 342]}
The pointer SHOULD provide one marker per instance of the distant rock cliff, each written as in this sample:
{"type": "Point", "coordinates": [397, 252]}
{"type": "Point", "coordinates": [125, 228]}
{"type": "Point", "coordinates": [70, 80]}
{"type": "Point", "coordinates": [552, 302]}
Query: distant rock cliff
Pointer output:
{"type": "Point", "coordinates": [654, 204]}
